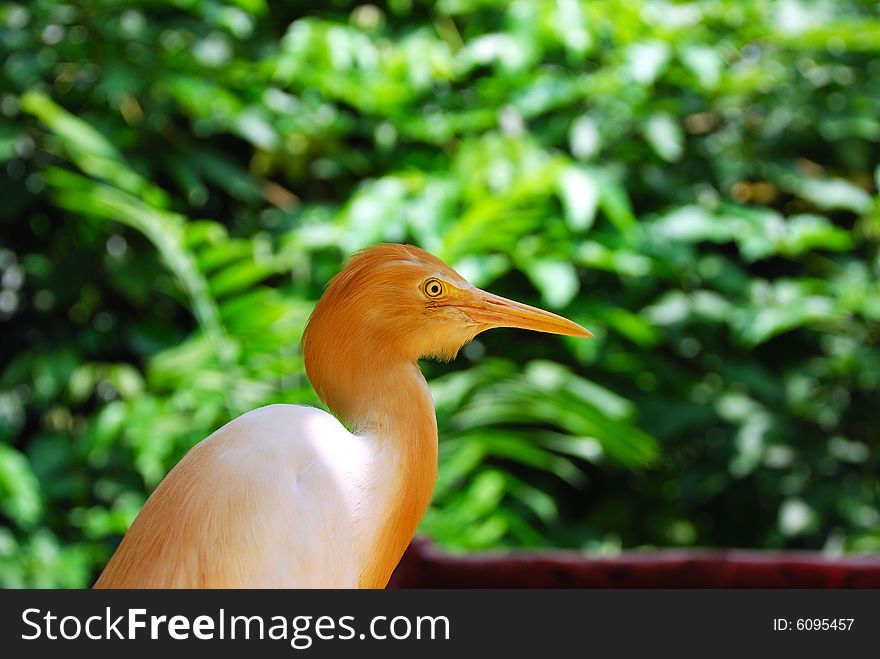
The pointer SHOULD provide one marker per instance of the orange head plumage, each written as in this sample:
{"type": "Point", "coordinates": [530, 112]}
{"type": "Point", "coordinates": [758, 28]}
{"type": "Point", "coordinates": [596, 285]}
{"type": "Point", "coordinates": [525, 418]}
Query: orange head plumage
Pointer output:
{"type": "Point", "coordinates": [398, 303]}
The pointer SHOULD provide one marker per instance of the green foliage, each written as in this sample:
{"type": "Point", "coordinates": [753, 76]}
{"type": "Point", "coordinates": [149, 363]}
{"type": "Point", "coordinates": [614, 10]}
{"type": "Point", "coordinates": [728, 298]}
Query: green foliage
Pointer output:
{"type": "Point", "coordinates": [694, 182]}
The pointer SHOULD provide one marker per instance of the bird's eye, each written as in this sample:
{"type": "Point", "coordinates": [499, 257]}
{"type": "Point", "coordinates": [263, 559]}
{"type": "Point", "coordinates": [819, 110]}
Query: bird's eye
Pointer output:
{"type": "Point", "coordinates": [433, 288]}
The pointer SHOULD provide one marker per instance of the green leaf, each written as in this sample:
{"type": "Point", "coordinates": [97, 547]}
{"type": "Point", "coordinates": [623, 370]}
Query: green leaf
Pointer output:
{"type": "Point", "coordinates": [830, 194]}
{"type": "Point", "coordinates": [647, 61]}
{"type": "Point", "coordinates": [804, 233]}
{"type": "Point", "coordinates": [579, 192]}
{"type": "Point", "coordinates": [705, 63]}
{"type": "Point", "coordinates": [665, 137]}
{"type": "Point", "coordinates": [585, 138]}
{"type": "Point", "coordinates": [91, 151]}
{"type": "Point", "coordinates": [19, 488]}
{"type": "Point", "coordinates": [556, 280]}
{"type": "Point", "coordinates": [692, 224]}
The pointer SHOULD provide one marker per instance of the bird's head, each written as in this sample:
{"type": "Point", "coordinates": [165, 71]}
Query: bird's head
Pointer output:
{"type": "Point", "coordinates": [413, 305]}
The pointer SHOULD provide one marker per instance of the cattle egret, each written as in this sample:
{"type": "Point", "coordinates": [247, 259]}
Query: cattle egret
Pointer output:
{"type": "Point", "coordinates": [289, 496]}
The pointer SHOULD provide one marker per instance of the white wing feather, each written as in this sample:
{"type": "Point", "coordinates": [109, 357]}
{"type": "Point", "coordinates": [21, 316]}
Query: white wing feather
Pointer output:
{"type": "Point", "coordinates": [283, 496]}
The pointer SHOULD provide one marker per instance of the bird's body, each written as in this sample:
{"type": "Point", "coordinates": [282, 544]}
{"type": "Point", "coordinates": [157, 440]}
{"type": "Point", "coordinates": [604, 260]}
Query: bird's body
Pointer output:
{"type": "Point", "coordinates": [285, 496]}
{"type": "Point", "coordinates": [286, 483]}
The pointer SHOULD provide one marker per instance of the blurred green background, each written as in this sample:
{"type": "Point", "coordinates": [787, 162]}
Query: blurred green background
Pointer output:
{"type": "Point", "coordinates": [695, 182]}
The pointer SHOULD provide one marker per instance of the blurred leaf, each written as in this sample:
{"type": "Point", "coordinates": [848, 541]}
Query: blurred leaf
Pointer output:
{"type": "Point", "coordinates": [808, 232]}
{"type": "Point", "coordinates": [665, 137]}
{"type": "Point", "coordinates": [557, 281]}
{"type": "Point", "coordinates": [646, 61]}
{"type": "Point", "coordinates": [705, 63]}
{"type": "Point", "coordinates": [580, 197]}
{"type": "Point", "coordinates": [19, 488]}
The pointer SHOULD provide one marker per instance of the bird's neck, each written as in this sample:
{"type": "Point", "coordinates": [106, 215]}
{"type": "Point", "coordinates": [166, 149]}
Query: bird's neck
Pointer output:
{"type": "Point", "coordinates": [403, 425]}
{"type": "Point", "coordinates": [387, 401]}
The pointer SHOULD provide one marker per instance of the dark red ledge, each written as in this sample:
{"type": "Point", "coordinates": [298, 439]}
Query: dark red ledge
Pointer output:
{"type": "Point", "coordinates": [424, 566]}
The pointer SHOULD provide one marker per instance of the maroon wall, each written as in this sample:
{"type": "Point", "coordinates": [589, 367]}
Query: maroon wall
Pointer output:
{"type": "Point", "coordinates": [423, 566]}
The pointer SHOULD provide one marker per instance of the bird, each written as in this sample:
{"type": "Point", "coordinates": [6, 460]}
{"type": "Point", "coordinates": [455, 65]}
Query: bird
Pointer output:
{"type": "Point", "coordinates": [291, 496]}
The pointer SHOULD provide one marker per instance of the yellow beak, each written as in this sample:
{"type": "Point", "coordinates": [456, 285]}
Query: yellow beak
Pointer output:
{"type": "Point", "coordinates": [495, 311]}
